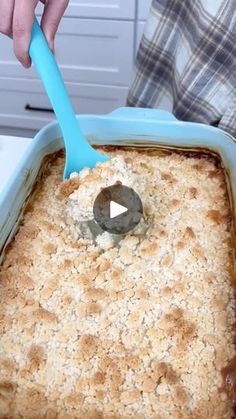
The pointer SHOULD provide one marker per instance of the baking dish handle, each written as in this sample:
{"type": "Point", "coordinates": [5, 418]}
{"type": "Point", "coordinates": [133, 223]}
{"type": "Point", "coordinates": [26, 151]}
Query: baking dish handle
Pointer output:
{"type": "Point", "coordinates": [143, 113]}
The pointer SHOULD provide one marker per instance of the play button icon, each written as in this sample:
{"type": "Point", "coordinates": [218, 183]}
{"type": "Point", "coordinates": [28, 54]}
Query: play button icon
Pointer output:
{"type": "Point", "coordinates": [118, 209]}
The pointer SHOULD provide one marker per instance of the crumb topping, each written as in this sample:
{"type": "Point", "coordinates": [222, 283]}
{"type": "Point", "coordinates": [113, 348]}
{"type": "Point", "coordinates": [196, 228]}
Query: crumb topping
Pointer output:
{"type": "Point", "coordinates": [139, 328]}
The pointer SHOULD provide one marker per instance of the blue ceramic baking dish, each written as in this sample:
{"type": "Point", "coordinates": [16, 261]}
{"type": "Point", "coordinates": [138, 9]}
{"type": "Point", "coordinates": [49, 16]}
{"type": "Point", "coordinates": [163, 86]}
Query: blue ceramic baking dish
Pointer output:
{"type": "Point", "coordinates": [132, 126]}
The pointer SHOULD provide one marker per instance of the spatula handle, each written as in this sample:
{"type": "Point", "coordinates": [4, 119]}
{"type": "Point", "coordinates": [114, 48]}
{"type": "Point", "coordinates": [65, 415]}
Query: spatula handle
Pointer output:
{"type": "Point", "coordinates": [50, 75]}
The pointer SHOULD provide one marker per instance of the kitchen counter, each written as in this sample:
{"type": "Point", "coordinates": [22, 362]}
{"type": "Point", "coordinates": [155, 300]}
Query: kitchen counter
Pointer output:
{"type": "Point", "coordinates": [11, 151]}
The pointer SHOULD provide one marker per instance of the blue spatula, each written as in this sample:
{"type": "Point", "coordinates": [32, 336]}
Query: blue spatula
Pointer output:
{"type": "Point", "coordinates": [79, 153]}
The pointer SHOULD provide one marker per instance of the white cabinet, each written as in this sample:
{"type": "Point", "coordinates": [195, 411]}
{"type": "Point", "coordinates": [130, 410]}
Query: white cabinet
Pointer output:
{"type": "Point", "coordinates": [95, 54]}
{"type": "Point", "coordinates": [97, 51]}
{"type": "Point", "coordinates": [102, 8]}
{"type": "Point", "coordinates": [143, 9]}
{"type": "Point", "coordinates": [108, 9]}
{"type": "Point", "coordinates": [24, 104]}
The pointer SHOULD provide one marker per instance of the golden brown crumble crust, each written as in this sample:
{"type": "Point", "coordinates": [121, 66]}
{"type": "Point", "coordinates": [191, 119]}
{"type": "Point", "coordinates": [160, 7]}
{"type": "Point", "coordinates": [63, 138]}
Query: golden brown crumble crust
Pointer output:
{"type": "Point", "coordinates": [140, 330]}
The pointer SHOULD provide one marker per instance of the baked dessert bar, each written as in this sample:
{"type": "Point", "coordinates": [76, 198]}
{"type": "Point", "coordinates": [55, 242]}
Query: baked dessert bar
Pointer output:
{"type": "Point", "coordinates": [140, 327]}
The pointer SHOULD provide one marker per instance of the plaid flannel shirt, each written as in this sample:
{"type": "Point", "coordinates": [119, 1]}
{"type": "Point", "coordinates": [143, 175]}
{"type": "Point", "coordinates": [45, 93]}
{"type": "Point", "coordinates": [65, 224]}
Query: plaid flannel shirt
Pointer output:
{"type": "Point", "coordinates": [187, 61]}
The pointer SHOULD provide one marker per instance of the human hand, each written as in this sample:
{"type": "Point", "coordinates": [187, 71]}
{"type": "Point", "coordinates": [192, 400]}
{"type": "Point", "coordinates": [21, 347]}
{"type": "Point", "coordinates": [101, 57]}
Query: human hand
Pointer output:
{"type": "Point", "coordinates": [16, 21]}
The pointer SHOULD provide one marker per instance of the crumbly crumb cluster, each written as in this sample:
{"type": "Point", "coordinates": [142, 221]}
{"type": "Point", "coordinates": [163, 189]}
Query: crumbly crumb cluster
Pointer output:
{"type": "Point", "coordinates": [88, 184]}
{"type": "Point", "coordinates": [136, 329]}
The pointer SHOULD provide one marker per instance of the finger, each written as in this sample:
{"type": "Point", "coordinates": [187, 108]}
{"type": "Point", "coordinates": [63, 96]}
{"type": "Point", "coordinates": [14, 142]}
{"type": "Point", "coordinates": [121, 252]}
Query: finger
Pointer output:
{"type": "Point", "coordinates": [53, 12]}
{"type": "Point", "coordinates": [23, 18]}
{"type": "Point", "coordinates": [6, 15]}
